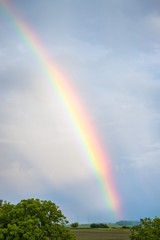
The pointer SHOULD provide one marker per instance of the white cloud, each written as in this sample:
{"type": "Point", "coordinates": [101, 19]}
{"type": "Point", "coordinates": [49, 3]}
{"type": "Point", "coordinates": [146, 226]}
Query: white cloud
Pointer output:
{"type": "Point", "coordinates": [114, 65]}
{"type": "Point", "coordinates": [36, 127]}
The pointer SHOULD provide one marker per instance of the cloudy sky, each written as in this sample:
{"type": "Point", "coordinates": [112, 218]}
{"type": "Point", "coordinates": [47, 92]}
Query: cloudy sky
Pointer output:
{"type": "Point", "coordinates": [110, 53]}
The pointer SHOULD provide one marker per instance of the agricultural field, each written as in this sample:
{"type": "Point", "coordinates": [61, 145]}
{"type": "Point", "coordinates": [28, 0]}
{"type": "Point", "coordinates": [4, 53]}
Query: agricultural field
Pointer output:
{"type": "Point", "coordinates": [101, 234]}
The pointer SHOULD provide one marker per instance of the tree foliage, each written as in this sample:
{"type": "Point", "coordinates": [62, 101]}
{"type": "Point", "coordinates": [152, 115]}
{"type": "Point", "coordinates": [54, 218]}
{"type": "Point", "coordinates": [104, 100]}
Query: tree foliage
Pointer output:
{"type": "Point", "coordinates": [99, 225]}
{"type": "Point", "coordinates": [74, 225]}
{"type": "Point", "coordinates": [148, 229]}
{"type": "Point", "coordinates": [125, 227]}
{"type": "Point", "coordinates": [33, 219]}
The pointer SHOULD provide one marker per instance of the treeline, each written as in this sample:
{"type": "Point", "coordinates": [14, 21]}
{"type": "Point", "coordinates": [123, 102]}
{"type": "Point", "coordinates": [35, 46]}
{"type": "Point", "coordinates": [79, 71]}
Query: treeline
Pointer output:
{"type": "Point", "coordinates": [99, 225]}
{"type": "Point", "coordinates": [128, 223]}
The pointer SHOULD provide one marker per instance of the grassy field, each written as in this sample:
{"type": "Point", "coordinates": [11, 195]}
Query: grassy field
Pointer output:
{"type": "Point", "coordinates": [101, 234]}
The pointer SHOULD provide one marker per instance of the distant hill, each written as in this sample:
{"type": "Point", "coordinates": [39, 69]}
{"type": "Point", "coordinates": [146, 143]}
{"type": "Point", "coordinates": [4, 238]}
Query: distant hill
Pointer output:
{"type": "Point", "coordinates": [127, 223]}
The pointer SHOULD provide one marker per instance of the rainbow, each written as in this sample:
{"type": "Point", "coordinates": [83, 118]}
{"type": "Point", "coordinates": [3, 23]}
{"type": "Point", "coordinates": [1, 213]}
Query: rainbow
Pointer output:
{"type": "Point", "coordinates": [95, 154]}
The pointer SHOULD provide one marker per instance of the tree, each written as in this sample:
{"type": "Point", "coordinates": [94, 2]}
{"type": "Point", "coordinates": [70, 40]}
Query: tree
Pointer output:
{"type": "Point", "coordinates": [94, 225]}
{"type": "Point", "coordinates": [148, 229]}
{"type": "Point", "coordinates": [125, 227]}
{"type": "Point", "coordinates": [99, 225]}
{"type": "Point", "coordinates": [103, 225]}
{"type": "Point", "coordinates": [74, 225]}
{"type": "Point", "coordinates": [33, 219]}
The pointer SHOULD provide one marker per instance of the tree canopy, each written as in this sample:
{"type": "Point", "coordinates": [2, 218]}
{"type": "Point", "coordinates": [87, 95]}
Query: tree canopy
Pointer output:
{"type": "Point", "coordinates": [148, 229]}
{"type": "Point", "coordinates": [74, 225]}
{"type": "Point", "coordinates": [33, 219]}
{"type": "Point", "coordinates": [99, 225]}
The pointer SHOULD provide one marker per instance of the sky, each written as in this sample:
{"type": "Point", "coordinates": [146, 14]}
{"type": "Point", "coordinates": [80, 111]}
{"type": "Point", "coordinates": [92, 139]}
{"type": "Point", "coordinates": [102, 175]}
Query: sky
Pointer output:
{"type": "Point", "coordinates": [110, 53]}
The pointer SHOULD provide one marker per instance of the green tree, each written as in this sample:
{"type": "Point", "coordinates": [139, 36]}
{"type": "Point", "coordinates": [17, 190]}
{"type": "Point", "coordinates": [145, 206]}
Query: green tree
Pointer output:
{"type": "Point", "coordinates": [99, 225]}
{"type": "Point", "coordinates": [94, 225]}
{"type": "Point", "coordinates": [33, 219]}
{"type": "Point", "coordinates": [125, 227]}
{"type": "Point", "coordinates": [74, 225]}
{"type": "Point", "coordinates": [148, 229]}
{"type": "Point", "coordinates": [103, 225]}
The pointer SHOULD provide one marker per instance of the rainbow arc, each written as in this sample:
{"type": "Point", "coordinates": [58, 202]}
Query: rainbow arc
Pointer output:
{"type": "Point", "coordinates": [96, 155]}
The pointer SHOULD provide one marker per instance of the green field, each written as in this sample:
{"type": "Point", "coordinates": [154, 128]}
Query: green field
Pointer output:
{"type": "Point", "coordinates": [101, 234]}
